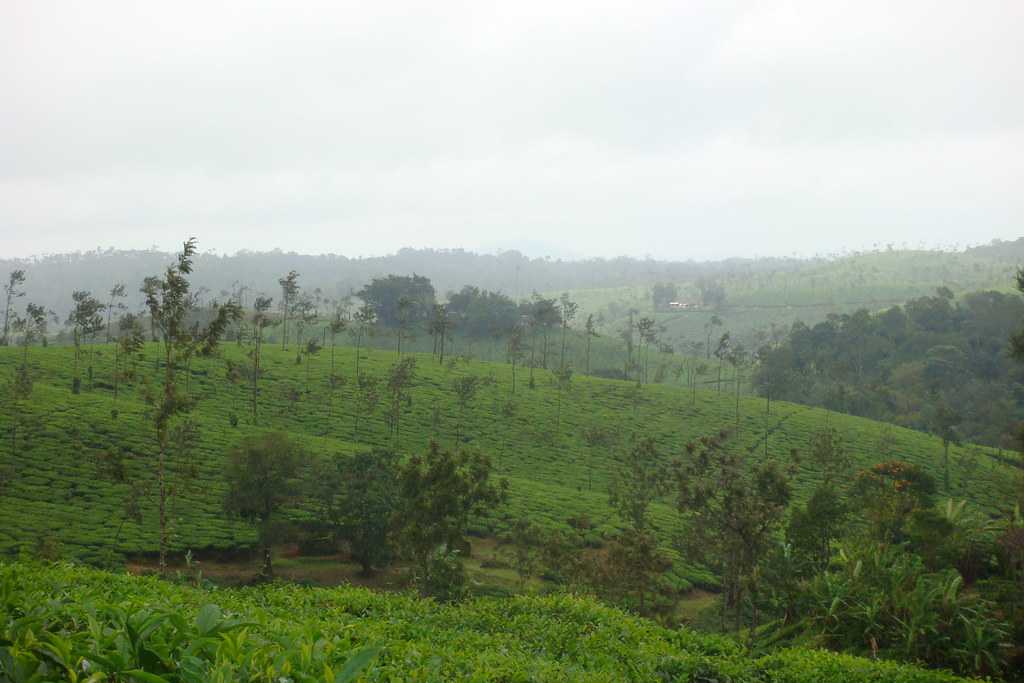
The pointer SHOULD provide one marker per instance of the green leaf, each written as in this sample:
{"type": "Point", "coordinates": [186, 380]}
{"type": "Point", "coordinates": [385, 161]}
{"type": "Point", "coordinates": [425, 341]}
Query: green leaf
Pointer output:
{"type": "Point", "coordinates": [207, 619]}
{"type": "Point", "coordinates": [145, 676]}
{"type": "Point", "coordinates": [356, 664]}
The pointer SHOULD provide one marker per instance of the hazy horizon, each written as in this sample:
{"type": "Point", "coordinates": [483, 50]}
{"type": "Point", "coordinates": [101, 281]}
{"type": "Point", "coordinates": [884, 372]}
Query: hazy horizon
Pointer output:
{"type": "Point", "coordinates": [700, 131]}
{"type": "Point", "coordinates": [531, 251]}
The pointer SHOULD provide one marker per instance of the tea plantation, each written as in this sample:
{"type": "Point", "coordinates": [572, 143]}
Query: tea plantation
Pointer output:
{"type": "Point", "coordinates": [62, 622]}
{"type": "Point", "coordinates": [66, 458]}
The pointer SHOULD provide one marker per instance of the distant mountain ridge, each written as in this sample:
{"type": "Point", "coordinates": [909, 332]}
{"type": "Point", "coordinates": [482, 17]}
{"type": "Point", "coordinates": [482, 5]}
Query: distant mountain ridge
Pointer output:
{"type": "Point", "coordinates": [52, 278]}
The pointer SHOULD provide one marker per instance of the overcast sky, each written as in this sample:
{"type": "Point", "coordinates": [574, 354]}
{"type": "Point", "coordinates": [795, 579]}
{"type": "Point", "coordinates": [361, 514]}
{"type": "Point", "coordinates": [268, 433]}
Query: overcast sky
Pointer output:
{"type": "Point", "coordinates": [674, 129]}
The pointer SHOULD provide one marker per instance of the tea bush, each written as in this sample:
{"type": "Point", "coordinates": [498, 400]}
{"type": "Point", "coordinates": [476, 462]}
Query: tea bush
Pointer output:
{"type": "Point", "coordinates": [65, 622]}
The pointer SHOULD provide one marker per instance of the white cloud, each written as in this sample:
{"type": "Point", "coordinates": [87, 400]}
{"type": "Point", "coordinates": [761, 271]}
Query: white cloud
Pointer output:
{"type": "Point", "coordinates": [676, 129]}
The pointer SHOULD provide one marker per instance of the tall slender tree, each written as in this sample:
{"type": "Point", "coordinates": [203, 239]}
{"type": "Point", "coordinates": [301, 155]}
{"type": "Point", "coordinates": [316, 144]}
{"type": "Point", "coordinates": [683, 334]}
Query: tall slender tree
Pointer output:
{"type": "Point", "coordinates": [364, 320]}
{"type": "Point", "coordinates": [515, 351]}
{"type": "Point", "coordinates": [400, 380]}
{"type": "Point", "coordinates": [32, 328]}
{"type": "Point", "coordinates": [12, 290]}
{"type": "Point", "coordinates": [567, 313]}
{"type": "Point", "coordinates": [116, 293]}
{"type": "Point", "coordinates": [647, 335]}
{"type": "Point", "coordinates": [639, 480]}
{"type": "Point", "coordinates": [260, 319]}
{"type": "Point", "coordinates": [129, 341]}
{"type": "Point", "coordinates": [590, 330]}
{"type": "Point", "coordinates": [86, 320]}
{"type": "Point", "coordinates": [289, 294]}
{"type": "Point", "coordinates": [709, 327]}
{"type": "Point", "coordinates": [367, 397]}
{"type": "Point", "coordinates": [944, 421]}
{"type": "Point", "coordinates": [405, 309]}
{"type": "Point", "coordinates": [169, 302]}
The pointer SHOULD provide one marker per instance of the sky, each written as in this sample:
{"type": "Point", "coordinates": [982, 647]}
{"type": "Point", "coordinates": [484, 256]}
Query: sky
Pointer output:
{"type": "Point", "coordinates": [675, 130]}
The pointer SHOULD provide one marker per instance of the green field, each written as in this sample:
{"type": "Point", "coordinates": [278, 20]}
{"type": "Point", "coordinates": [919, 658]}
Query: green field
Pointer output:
{"type": "Point", "coordinates": [759, 295]}
{"type": "Point", "coordinates": [56, 445]}
{"type": "Point", "coordinates": [59, 618]}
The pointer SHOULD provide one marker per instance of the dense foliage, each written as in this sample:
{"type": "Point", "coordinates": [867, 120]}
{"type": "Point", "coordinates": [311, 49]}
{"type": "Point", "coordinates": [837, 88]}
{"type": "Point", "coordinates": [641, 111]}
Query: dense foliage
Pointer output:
{"type": "Point", "coordinates": [66, 623]}
{"type": "Point", "coordinates": [935, 364]}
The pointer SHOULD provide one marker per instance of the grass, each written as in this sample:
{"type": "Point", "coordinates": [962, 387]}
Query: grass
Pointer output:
{"type": "Point", "coordinates": [54, 445]}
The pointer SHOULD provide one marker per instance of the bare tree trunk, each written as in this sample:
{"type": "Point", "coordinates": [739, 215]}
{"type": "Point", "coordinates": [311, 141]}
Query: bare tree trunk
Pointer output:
{"type": "Point", "coordinates": [162, 480]}
{"type": "Point", "coordinates": [267, 572]}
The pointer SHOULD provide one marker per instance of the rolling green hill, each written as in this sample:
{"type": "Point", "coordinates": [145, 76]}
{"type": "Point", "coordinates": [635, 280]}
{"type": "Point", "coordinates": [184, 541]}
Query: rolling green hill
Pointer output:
{"type": "Point", "coordinates": [61, 618]}
{"type": "Point", "coordinates": [760, 295]}
{"type": "Point", "coordinates": [63, 455]}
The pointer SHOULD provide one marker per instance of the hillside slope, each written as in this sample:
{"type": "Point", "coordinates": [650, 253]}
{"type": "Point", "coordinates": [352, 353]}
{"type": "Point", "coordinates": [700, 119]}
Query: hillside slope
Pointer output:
{"type": "Point", "coordinates": [67, 457]}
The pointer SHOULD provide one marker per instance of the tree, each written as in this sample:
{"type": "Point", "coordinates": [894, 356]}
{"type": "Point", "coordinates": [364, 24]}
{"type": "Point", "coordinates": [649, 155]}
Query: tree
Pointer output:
{"type": "Point", "coordinates": [829, 455]}
{"type": "Point", "coordinates": [733, 512]}
{"type": "Point", "coordinates": [515, 351]}
{"type": "Point", "coordinates": [400, 380]}
{"type": "Point", "coordinates": [364, 319]}
{"type": "Point", "coordinates": [544, 315]}
{"type": "Point", "coordinates": [260, 319]}
{"type": "Point", "coordinates": [526, 540]}
{"type": "Point", "coordinates": [358, 498]}
{"type": "Point", "coordinates": [590, 331]}
{"type": "Point", "coordinates": [629, 567]}
{"type": "Point", "coordinates": [367, 397]}
{"type": "Point", "coordinates": [886, 495]}
{"type": "Point", "coordinates": [465, 388]}
{"type": "Point", "coordinates": [638, 481]}
{"type": "Point", "coordinates": [386, 294]}
{"type": "Point", "coordinates": [262, 477]}
{"type": "Point", "coordinates": [814, 527]}
{"type": "Point", "coordinates": [32, 328]}
{"type": "Point", "coordinates": [647, 334]}
{"type": "Point", "coordinates": [289, 294]}
{"type": "Point", "coordinates": [626, 334]}
{"type": "Point", "coordinates": [129, 341]}
{"type": "Point", "coordinates": [567, 313]}
{"type": "Point", "coordinates": [713, 322]}
{"type": "Point", "coordinates": [405, 309]}
{"type": "Point", "coordinates": [439, 326]}
{"type": "Point", "coordinates": [116, 292]}
{"type": "Point", "coordinates": [311, 349]}
{"type": "Point", "coordinates": [337, 325]}
{"type": "Point", "coordinates": [721, 353]}
{"type": "Point", "coordinates": [439, 491]}
{"type": "Point", "coordinates": [12, 290]}
{"type": "Point", "coordinates": [306, 314]}
{"type": "Point", "coordinates": [85, 321]}
{"type": "Point", "coordinates": [944, 421]}
{"type": "Point", "coordinates": [168, 301]}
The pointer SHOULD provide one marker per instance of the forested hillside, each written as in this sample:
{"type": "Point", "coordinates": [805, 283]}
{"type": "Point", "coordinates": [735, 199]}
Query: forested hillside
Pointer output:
{"type": "Point", "coordinates": [935, 364]}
